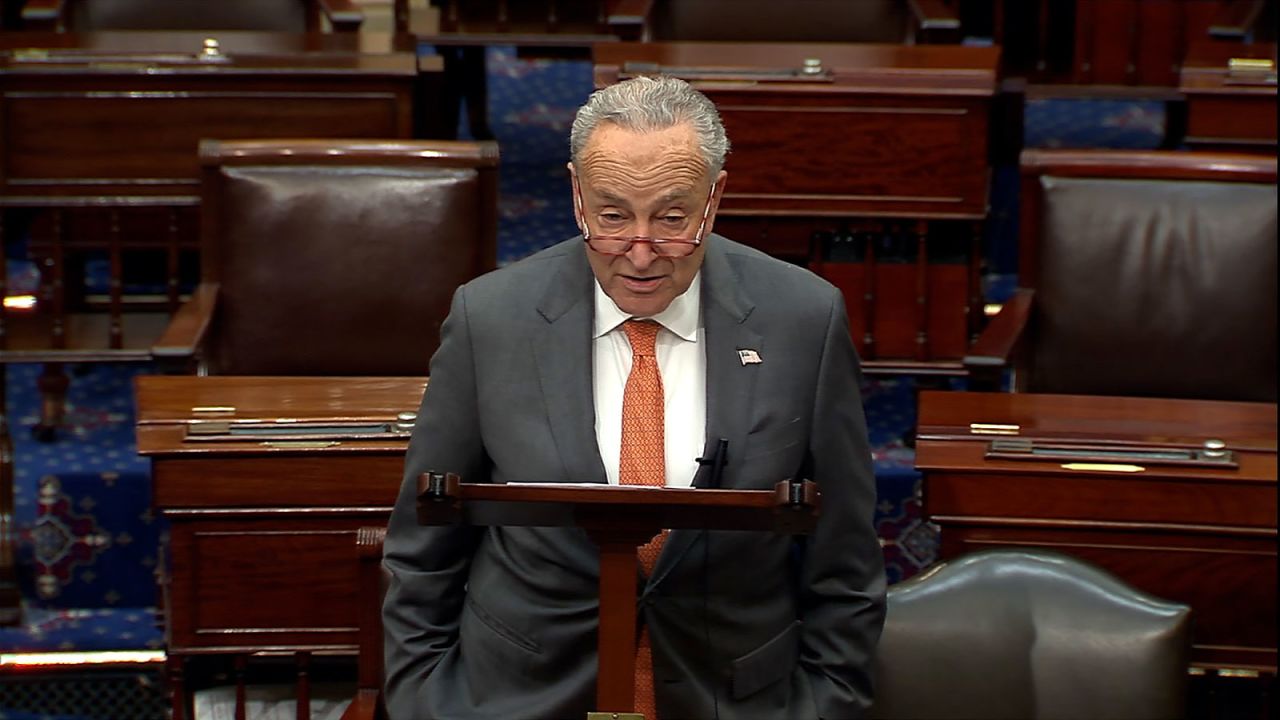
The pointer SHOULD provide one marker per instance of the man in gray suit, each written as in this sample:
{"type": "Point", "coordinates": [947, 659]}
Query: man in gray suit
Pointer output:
{"type": "Point", "coordinates": [528, 386]}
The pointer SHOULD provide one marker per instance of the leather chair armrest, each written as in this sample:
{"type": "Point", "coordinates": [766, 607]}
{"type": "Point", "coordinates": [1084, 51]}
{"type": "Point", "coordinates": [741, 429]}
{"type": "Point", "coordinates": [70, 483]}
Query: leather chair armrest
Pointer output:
{"type": "Point", "coordinates": [629, 19]}
{"type": "Point", "coordinates": [42, 15]}
{"type": "Point", "coordinates": [185, 334]}
{"type": "Point", "coordinates": [1000, 342]}
{"type": "Point", "coordinates": [935, 21]}
{"type": "Point", "coordinates": [344, 15]}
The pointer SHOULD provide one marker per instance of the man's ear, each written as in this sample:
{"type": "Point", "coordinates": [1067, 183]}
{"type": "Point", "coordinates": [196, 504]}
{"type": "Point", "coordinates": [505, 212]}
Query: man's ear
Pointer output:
{"type": "Point", "coordinates": [579, 214]}
{"type": "Point", "coordinates": [717, 192]}
{"type": "Point", "coordinates": [718, 189]}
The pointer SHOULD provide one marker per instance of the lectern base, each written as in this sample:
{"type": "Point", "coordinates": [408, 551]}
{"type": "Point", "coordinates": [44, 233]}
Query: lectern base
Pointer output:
{"type": "Point", "coordinates": [615, 716]}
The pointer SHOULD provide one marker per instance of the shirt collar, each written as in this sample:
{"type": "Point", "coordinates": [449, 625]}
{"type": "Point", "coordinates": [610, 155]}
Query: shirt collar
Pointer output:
{"type": "Point", "coordinates": [680, 317]}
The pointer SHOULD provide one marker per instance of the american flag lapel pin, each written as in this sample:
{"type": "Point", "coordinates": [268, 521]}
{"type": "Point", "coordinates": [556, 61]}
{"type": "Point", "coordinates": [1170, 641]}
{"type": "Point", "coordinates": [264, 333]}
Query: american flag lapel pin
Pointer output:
{"type": "Point", "coordinates": [749, 357]}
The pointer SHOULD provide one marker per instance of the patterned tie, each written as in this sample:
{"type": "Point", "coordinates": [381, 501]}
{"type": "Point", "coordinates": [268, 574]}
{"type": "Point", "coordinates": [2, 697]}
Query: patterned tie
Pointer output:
{"type": "Point", "coordinates": [643, 462]}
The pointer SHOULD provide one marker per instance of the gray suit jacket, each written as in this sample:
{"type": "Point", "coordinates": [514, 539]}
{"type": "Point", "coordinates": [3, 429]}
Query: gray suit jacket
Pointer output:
{"type": "Point", "coordinates": [501, 623]}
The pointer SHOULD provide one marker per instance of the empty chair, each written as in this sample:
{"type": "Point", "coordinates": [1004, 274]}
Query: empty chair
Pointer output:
{"type": "Point", "coordinates": [1141, 274]}
{"type": "Point", "coordinates": [1029, 634]}
{"type": "Point", "coordinates": [329, 257]}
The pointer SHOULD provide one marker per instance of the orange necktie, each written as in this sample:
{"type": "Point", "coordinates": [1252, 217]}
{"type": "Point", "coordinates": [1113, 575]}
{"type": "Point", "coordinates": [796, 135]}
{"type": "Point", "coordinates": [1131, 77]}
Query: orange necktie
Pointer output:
{"type": "Point", "coordinates": [643, 462]}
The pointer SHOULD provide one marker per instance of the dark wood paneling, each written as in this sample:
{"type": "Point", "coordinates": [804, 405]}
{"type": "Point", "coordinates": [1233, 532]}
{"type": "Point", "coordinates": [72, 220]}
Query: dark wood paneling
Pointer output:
{"type": "Point", "coordinates": [312, 479]}
{"type": "Point", "coordinates": [1234, 122]}
{"type": "Point", "coordinates": [81, 108]}
{"type": "Point", "coordinates": [1105, 37]}
{"type": "Point", "coordinates": [869, 156]}
{"type": "Point", "coordinates": [1161, 33]}
{"type": "Point", "coordinates": [263, 582]}
{"type": "Point", "coordinates": [59, 137]}
{"type": "Point", "coordinates": [1101, 497]}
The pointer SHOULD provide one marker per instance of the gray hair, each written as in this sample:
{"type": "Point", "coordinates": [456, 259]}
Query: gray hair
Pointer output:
{"type": "Point", "coordinates": [645, 103]}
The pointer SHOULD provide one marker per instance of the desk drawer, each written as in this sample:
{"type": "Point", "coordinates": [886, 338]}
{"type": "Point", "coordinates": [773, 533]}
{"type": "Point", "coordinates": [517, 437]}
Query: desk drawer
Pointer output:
{"type": "Point", "coordinates": [279, 480]}
{"type": "Point", "coordinates": [265, 579]}
{"type": "Point", "coordinates": [1028, 498]}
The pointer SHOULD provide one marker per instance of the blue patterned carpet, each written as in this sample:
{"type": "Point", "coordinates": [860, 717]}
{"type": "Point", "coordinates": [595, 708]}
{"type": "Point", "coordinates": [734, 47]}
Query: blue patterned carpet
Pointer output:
{"type": "Point", "coordinates": [89, 544]}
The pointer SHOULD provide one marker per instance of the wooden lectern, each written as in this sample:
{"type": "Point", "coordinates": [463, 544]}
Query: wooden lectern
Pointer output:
{"type": "Point", "coordinates": [618, 519]}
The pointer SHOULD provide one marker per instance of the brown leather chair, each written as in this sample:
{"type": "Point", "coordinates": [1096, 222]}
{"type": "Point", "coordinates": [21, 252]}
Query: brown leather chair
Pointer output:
{"type": "Point", "coordinates": [331, 257]}
{"type": "Point", "coordinates": [876, 21]}
{"type": "Point", "coordinates": [1141, 274]}
{"type": "Point", "coordinates": [1029, 634]}
{"type": "Point", "coordinates": [262, 15]}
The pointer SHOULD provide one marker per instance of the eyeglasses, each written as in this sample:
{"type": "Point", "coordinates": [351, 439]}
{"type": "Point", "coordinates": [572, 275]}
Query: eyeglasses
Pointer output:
{"type": "Point", "coordinates": [622, 244]}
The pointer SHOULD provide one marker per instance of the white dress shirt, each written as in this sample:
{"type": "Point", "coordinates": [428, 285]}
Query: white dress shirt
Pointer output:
{"type": "Point", "coordinates": [683, 366]}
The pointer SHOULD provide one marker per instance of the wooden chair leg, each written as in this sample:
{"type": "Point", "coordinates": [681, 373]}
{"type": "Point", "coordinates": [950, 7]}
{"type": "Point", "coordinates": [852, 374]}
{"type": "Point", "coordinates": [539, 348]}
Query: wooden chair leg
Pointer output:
{"type": "Point", "coordinates": [177, 689]}
{"type": "Point", "coordinates": [304, 685]}
{"type": "Point", "coordinates": [53, 384]}
{"type": "Point", "coordinates": [240, 663]}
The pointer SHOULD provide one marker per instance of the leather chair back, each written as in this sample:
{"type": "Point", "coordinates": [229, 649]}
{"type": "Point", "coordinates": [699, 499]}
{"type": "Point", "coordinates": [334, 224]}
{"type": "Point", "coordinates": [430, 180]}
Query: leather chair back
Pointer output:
{"type": "Point", "coordinates": [1148, 285]}
{"type": "Point", "coordinates": [1029, 634]}
{"type": "Point", "coordinates": [262, 15]}
{"type": "Point", "coordinates": [341, 258]}
{"type": "Point", "coordinates": [882, 21]}
{"type": "Point", "coordinates": [528, 16]}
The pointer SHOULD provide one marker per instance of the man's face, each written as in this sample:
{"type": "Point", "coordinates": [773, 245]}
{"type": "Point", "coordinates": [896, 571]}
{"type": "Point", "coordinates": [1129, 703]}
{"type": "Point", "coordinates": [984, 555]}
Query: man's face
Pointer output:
{"type": "Point", "coordinates": [652, 185]}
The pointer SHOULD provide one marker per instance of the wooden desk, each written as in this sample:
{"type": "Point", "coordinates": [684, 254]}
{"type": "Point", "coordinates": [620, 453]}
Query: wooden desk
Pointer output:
{"type": "Point", "coordinates": [99, 131]}
{"type": "Point", "coordinates": [1230, 110]}
{"type": "Point", "coordinates": [121, 113]}
{"type": "Point", "coordinates": [1203, 535]}
{"type": "Point", "coordinates": [871, 166]}
{"type": "Point", "coordinates": [261, 552]}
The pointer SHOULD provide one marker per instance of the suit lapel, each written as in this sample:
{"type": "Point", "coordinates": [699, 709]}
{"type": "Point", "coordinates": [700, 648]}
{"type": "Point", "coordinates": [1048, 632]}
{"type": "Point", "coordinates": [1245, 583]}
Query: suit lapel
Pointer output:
{"type": "Point", "coordinates": [730, 383]}
{"type": "Point", "coordinates": [563, 357]}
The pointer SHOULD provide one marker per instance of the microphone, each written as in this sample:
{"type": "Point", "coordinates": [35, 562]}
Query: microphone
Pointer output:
{"type": "Point", "coordinates": [710, 468]}
{"type": "Point", "coordinates": [711, 464]}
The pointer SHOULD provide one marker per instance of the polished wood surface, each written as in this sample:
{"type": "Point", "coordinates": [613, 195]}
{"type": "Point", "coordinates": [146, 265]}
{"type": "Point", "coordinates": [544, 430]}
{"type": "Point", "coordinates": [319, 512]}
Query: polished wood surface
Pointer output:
{"type": "Point", "coordinates": [156, 96]}
{"type": "Point", "coordinates": [261, 532]}
{"type": "Point", "coordinates": [1202, 535]}
{"type": "Point", "coordinates": [1226, 108]}
{"type": "Point", "coordinates": [844, 146]}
